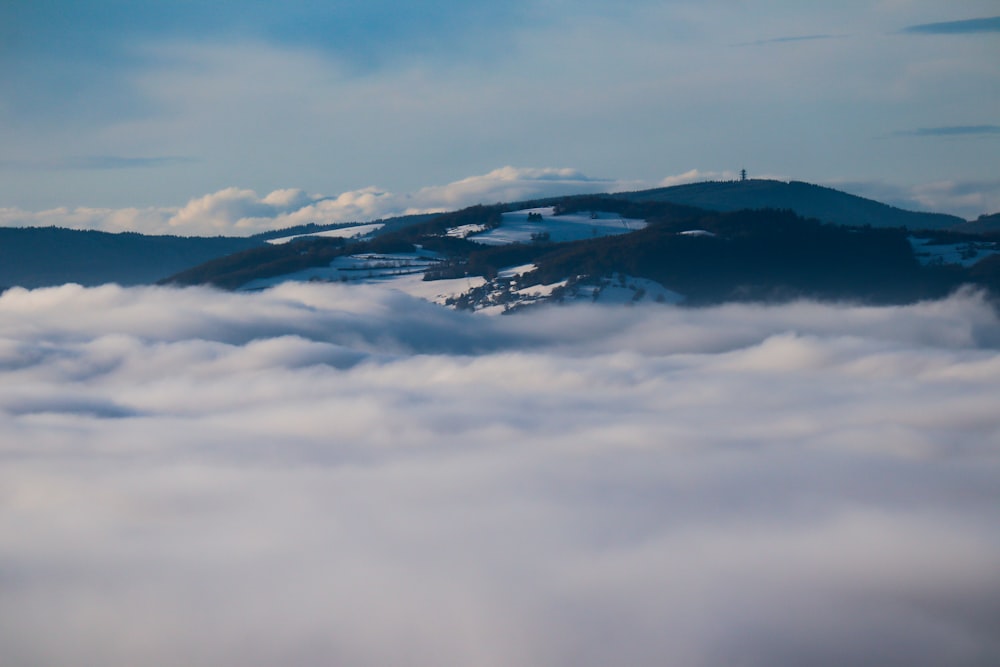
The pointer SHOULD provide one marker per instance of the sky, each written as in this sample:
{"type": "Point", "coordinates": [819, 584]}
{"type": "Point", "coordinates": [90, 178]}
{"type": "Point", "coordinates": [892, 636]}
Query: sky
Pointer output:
{"type": "Point", "coordinates": [324, 474]}
{"type": "Point", "coordinates": [118, 115]}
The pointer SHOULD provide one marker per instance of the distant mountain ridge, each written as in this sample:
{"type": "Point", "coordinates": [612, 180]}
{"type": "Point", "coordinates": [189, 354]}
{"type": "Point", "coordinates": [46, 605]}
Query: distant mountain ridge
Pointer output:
{"type": "Point", "coordinates": [808, 200]}
{"type": "Point", "coordinates": [45, 256]}
{"type": "Point", "coordinates": [703, 257]}
{"type": "Point", "coordinates": [982, 225]}
{"type": "Point", "coordinates": [38, 257]}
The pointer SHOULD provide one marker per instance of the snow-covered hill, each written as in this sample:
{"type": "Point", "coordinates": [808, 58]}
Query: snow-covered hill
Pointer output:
{"type": "Point", "coordinates": [405, 271]}
{"type": "Point", "coordinates": [509, 289]}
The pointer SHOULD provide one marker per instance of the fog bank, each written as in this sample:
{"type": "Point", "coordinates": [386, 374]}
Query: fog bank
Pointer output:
{"type": "Point", "coordinates": [320, 475]}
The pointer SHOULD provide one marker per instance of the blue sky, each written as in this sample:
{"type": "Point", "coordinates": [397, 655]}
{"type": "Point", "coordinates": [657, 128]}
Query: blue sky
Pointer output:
{"type": "Point", "coordinates": [113, 105]}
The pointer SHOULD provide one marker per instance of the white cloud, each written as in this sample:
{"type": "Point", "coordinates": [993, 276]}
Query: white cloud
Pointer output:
{"type": "Point", "coordinates": [967, 199]}
{"type": "Point", "coordinates": [242, 212]}
{"type": "Point", "coordinates": [509, 184]}
{"type": "Point", "coordinates": [222, 210]}
{"type": "Point", "coordinates": [972, 199]}
{"type": "Point", "coordinates": [694, 176]}
{"type": "Point", "coordinates": [322, 473]}
{"type": "Point", "coordinates": [145, 220]}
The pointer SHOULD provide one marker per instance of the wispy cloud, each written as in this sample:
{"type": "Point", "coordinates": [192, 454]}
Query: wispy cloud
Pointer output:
{"type": "Point", "coordinates": [794, 38]}
{"type": "Point", "coordinates": [991, 24]}
{"type": "Point", "coordinates": [319, 473]}
{"type": "Point", "coordinates": [92, 30]}
{"type": "Point", "coordinates": [951, 131]}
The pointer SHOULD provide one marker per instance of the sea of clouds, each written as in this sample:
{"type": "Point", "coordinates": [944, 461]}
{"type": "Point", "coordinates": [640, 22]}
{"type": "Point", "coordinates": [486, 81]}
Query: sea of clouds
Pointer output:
{"type": "Point", "coordinates": [328, 475]}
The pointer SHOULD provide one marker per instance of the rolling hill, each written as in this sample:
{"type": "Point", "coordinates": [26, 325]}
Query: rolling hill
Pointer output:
{"type": "Point", "coordinates": [498, 258]}
{"type": "Point", "coordinates": [808, 200]}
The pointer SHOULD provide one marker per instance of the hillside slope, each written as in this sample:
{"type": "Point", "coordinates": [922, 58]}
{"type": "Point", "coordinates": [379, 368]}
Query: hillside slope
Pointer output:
{"type": "Point", "coordinates": [760, 255]}
{"type": "Point", "coordinates": [806, 199]}
{"type": "Point", "coordinates": [705, 257]}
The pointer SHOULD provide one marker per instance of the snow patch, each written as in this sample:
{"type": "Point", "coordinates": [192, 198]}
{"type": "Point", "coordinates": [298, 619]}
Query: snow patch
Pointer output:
{"type": "Point", "coordinates": [967, 253]}
{"type": "Point", "coordinates": [515, 271]}
{"type": "Point", "coordinates": [464, 231]}
{"type": "Point", "coordinates": [436, 291]}
{"type": "Point", "coordinates": [540, 291]}
{"type": "Point", "coordinates": [367, 267]}
{"type": "Point", "coordinates": [532, 224]}
{"type": "Point", "coordinates": [352, 232]}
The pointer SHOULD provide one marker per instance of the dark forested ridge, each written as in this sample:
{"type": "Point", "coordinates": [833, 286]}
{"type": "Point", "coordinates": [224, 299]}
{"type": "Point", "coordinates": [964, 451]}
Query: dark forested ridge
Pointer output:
{"type": "Point", "coordinates": [760, 255]}
{"type": "Point", "coordinates": [44, 256]}
{"type": "Point", "coordinates": [266, 261]}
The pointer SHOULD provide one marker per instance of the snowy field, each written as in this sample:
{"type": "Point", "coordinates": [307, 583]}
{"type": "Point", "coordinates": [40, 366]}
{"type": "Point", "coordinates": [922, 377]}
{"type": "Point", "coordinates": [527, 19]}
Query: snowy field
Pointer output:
{"type": "Point", "coordinates": [367, 267]}
{"type": "Point", "coordinates": [965, 254]}
{"type": "Point", "coordinates": [403, 272]}
{"type": "Point", "coordinates": [352, 232]}
{"type": "Point", "coordinates": [517, 228]}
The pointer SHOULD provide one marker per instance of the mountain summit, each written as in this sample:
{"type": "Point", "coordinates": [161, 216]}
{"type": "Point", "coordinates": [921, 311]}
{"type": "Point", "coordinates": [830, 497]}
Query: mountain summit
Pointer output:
{"type": "Point", "coordinates": [808, 200]}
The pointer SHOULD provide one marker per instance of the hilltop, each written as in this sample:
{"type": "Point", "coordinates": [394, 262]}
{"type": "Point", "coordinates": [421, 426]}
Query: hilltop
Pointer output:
{"type": "Point", "coordinates": [808, 200]}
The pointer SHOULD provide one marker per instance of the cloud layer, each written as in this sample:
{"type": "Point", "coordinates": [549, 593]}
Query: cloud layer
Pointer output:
{"type": "Point", "coordinates": [990, 24]}
{"type": "Point", "coordinates": [317, 475]}
{"type": "Point", "coordinates": [952, 131]}
{"type": "Point", "coordinates": [969, 199]}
